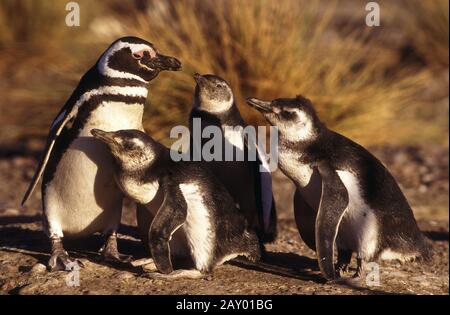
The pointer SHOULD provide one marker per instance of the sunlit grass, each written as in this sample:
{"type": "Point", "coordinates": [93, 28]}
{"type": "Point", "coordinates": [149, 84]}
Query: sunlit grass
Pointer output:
{"type": "Point", "coordinates": [272, 49]}
{"type": "Point", "coordinates": [427, 24]}
{"type": "Point", "coordinates": [263, 48]}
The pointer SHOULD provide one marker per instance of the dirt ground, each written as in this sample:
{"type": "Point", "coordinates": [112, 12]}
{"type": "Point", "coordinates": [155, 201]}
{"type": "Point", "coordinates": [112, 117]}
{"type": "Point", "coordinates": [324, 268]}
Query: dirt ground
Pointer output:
{"type": "Point", "coordinates": [289, 267]}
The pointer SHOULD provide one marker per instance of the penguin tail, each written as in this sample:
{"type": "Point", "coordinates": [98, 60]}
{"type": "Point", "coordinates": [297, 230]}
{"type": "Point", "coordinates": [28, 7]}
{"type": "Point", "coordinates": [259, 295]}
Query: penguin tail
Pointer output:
{"type": "Point", "coordinates": [417, 247]}
{"type": "Point", "coordinates": [252, 246]}
{"type": "Point", "coordinates": [421, 245]}
{"type": "Point", "coordinates": [425, 248]}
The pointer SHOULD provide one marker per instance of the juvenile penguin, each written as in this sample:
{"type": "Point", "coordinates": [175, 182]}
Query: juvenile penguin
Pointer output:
{"type": "Point", "coordinates": [359, 205]}
{"type": "Point", "coordinates": [194, 201]}
{"type": "Point", "coordinates": [214, 105]}
{"type": "Point", "coordinates": [79, 195]}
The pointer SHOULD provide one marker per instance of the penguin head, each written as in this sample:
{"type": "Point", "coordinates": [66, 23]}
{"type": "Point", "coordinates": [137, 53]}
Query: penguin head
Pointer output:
{"type": "Point", "coordinates": [135, 58]}
{"type": "Point", "coordinates": [133, 150]}
{"type": "Point", "coordinates": [212, 93]}
{"type": "Point", "coordinates": [295, 118]}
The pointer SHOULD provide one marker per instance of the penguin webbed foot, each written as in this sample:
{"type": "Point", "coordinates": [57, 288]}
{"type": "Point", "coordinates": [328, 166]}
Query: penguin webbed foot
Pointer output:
{"type": "Point", "coordinates": [110, 253]}
{"type": "Point", "coordinates": [343, 262]}
{"type": "Point", "coordinates": [359, 269]}
{"type": "Point", "coordinates": [60, 259]}
{"type": "Point", "coordinates": [341, 270]}
{"type": "Point", "coordinates": [178, 274]}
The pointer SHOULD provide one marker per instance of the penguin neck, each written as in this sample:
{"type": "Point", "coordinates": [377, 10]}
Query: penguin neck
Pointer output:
{"type": "Point", "coordinates": [108, 103]}
{"type": "Point", "coordinates": [93, 82]}
{"type": "Point", "coordinates": [93, 78]}
{"type": "Point", "coordinates": [231, 116]}
{"type": "Point", "coordinates": [137, 185]}
{"type": "Point", "coordinates": [298, 145]}
{"type": "Point", "coordinates": [120, 82]}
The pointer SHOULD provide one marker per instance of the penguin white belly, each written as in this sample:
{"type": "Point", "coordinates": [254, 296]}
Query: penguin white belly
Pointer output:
{"type": "Point", "coordinates": [83, 198]}
{"type": "Point", "coordinates": [358, 230]}
{"type": "Point", "coordinates": [198, 227]}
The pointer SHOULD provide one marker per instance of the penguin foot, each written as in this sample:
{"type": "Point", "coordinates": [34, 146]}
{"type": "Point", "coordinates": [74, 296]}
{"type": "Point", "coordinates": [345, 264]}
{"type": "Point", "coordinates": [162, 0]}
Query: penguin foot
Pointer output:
{"type": "Point", "coordinates": [60, 259]}
{"type": "Point", "coordinates": [116, 258]}
{"type": "Point", "coordinates": [110, 253]}
{"type": "Point", "coordinates": [359, 269]}
{"type": "Point", "coordinates": [344, 259]}
{"type": "Point", "coordinates": [178, 274]}
{"type": "Point", "coordinates": [341, 269]}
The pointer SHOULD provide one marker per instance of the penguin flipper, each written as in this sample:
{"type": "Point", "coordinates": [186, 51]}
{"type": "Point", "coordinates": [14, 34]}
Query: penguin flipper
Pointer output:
{"type": "Point", "coordinates": [170, 217]}
{"type": "Point", "coordinates": [267, 211]}
{"type": "Point", "coordinates": [64, 116]}
{"type": "Point", "coordinates": [333, 203]}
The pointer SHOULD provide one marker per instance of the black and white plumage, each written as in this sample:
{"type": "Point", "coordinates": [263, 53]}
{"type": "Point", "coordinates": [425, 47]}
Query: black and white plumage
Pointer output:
{"type": "Point", "coordinates": [79, 195]}
{"type": "Point", "coordinates": [214, 105]}
{"type": "Point", "coordinates": [349, 197]}
{"type": "Point", "coordinates": [194, 201]}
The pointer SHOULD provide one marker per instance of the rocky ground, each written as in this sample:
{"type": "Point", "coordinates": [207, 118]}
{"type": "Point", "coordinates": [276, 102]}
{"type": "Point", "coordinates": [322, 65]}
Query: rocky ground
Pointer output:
{"type": "Point", "coordinates": [289, 267]}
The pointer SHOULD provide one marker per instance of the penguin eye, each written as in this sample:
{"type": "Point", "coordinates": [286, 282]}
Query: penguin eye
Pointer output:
{"type": "Point", "coordinates": [128, 145]}
{"type": "Point", "coordinates": [288, 115]}
{"type": "Point", "coordinates": [138, 55]}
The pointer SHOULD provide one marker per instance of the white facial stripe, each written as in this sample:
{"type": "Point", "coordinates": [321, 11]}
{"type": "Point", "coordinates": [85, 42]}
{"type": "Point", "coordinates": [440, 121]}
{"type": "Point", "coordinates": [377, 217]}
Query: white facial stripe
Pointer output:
{"type": "Point", "coordinates": [144, 66]}
{"type": "Point", "coordinates": [302, 117]}
{"type": "Point", "coordinates": [300, 130]}
{"type": "Point", "coordinates": [138, 142]}
{"type": "Point", "coordinates": [104, 68]}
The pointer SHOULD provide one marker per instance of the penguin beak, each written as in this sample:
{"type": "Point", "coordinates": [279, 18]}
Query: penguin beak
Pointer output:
{"type": "Point", "coordinates": [260, 105]}
{"type": "Point", "coordinates": [106, 137]}
{"type": "Point", "coordinates": [166, 63]}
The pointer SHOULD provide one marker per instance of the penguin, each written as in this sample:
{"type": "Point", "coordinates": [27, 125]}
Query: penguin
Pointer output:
{"type": "Point", "coordinates": [194, 201]}
{"type": "Point", "coordinates": [79, 196]}
{"type": "Point", "coordinates": [358, 204]}
{"type": "Point", "coordinates": [214, 105]}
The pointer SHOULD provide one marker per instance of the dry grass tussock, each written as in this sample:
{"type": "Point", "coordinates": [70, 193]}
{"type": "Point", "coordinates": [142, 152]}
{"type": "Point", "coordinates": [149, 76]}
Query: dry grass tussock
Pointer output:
{"type": "Point", "coordinates": [357, 77]}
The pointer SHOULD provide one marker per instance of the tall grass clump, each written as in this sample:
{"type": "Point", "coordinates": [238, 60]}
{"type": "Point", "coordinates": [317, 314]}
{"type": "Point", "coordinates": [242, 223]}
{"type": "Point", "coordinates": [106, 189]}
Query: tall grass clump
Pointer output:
{"type": "Point", "coordinates": [41, 60]}
{"type": "Point", "coordinates": [427, 27]}
{"type": "Point", "coordinates": [360, 84]}
{"type": "Point", "coordinates": [272, 49]}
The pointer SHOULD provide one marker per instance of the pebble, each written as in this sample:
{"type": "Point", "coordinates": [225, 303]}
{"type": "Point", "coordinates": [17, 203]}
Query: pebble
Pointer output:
{"type": "Point", "coordinates": [38, 269]}
{"type": "Point", "coordinates": [423, 189]}
{"type": "Point", "coordinates": [11, 211]}
{"type": "Point", "coordinates": [149, 268]}
{"type": "Point", "coordinates": [123, 275]}
{"type": "Point", "coordinates": [40, 286]}
{"type": "Point", "coordinates": [29, 289]}
{"type": "Point", "coordinates": [9, 269]}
